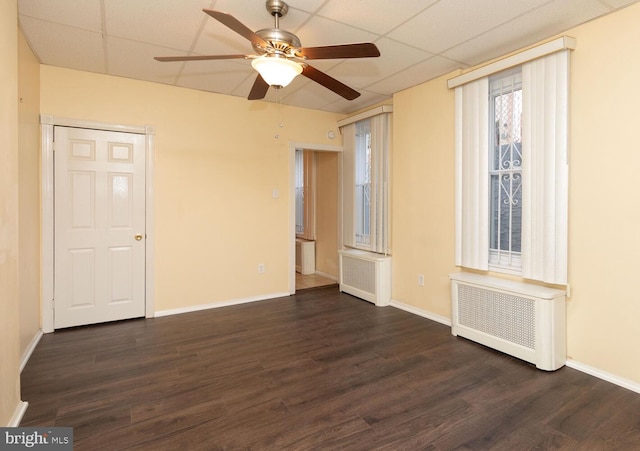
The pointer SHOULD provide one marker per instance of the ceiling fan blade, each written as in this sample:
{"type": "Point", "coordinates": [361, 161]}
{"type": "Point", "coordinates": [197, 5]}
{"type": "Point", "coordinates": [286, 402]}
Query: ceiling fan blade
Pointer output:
{"type": "Point", "coordinates": [363, 50]}
{"type": "Point", "coordinates": [200, 57]}
{"type": "Point", "coordinates": [330, 83]}
{"type": "Point", "coordinates": [238, 27]}
{"type": "Point", "coordinates": [259, 89]}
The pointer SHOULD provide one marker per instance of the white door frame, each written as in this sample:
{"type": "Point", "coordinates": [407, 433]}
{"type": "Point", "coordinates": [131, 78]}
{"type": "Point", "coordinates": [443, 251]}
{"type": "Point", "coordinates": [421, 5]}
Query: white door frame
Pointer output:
{"type": "Point", "coordinates": [293, 145]}
{"type": "Point", "coordinates": [47, 123]}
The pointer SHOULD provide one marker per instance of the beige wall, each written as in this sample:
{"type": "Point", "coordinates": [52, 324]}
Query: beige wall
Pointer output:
{"type": "Point", "coordinates": [217, 164]}
{"type": "Point", "coordinates": [9, 299]}
{"type": "Point", "coordinates": [604, 221]}
{"type": "Point", "coordinates": [28, 193]}
{"type": "Point", "coordinates": [603, 310]}
{"type": "Point", "coordinates": [422, 201]}
{"type": "Point", "coordinates": [327, 212]}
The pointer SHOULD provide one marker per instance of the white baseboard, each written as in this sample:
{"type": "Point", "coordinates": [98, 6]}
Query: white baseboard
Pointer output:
{"type": "Point", "coordinates": [617, 380]}
{"type": "Point", "coordinates": [420, 312]}
{"type": "Point", "coordinates": [27, 352]}
{"type": "Point", "coordinates": [21, 409]}
{"type": "Point", "coordinates": [197, 308]}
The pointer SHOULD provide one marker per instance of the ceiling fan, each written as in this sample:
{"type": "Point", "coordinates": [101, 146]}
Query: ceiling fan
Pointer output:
{"type": "Point", "coordinates": [280, 56]}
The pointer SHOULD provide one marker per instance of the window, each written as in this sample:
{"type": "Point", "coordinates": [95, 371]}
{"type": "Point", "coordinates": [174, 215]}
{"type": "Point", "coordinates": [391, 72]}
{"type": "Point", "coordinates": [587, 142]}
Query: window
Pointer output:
{"type": "Point", "coordinates": [505, 170]}
{"type": "Point", "coordinates": [511, 165]}
{"type": "Point", "coordinates": [363, 182]}
{"type": "Point", "coordinates": [299, 192]}
{"type": "Point", "coordinates": [305, 199]}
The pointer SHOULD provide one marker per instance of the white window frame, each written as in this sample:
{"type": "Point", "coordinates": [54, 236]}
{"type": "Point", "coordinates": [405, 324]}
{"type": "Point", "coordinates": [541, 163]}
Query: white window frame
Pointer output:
{"type": "Point", "coordinates": [500, 260]}
{"type": "Point", "coordinates": [299, 190]}
{"type": "Point", "coordinates": [305, 194]}
{"type": "Point", "coordinates": [363, 184]}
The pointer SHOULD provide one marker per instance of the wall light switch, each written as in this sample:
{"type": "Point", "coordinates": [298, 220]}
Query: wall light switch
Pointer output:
{"type": "Point", "coordinates": [275, 193]}
{"type": "Point", "coordinates": [421, 280]}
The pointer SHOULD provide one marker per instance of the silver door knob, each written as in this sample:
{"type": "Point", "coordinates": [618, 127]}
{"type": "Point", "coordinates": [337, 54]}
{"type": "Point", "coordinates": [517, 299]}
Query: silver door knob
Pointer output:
{"type": "Point", "coordinates": [138, 237]}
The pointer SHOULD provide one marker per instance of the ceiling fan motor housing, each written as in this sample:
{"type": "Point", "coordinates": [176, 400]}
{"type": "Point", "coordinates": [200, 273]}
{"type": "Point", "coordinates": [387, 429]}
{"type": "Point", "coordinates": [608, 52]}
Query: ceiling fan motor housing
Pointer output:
{"type": "Point", "coordinates": [282, 41]}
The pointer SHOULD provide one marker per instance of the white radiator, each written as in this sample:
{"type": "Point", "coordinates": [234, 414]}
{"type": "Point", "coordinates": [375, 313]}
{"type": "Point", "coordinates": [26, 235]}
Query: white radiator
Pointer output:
{"type": "Point", "coordinates": [305, 256]}
{"type": "Point", "coordinates": [366, 275]}
{"type": "Point", "coordinates": [523, 320]}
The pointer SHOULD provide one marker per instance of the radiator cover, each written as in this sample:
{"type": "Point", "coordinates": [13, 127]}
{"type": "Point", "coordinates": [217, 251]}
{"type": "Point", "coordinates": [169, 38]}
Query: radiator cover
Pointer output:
{"type": "Point", "coordinates": [524, 320]}
{"type": "Point", "coordinates": [366, 275]}
{"type": "Point", "coordinates": [305, 256]}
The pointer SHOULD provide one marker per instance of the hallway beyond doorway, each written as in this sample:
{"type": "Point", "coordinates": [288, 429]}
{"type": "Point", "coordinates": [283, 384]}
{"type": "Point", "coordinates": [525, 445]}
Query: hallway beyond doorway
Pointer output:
{"type": "Point", "coordinates": [312, 281]}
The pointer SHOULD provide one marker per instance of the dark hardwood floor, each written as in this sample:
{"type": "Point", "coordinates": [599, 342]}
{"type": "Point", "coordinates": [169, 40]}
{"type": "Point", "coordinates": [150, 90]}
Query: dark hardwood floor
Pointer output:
{"type": "Point", "coordinates": [318, 370]}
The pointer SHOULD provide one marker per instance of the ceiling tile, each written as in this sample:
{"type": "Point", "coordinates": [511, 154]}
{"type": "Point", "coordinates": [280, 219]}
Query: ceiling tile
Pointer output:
{"type": "Point", "coordinates": [215, 76]}
{"type": "Point", "coordinates": [83, 14]}
{"type": "Point", "coordinates": [319, 31]}
{"type": "Point", "coordinates": [446, 24]}
{"type": "Point", "coordinates": [254, 14]}
{"type": "Point", "coordinates": [348, 106]}
{"type": "Point", "coordinates": [60, 45]}
{"type": "Point", "coordinates": [310, 6]}
{"type": "Point", "coordinates": [543, 22]}
{"type": "Point", "coordinates": [386, 16]}
{"type": "Point", "coordinates": [312, 96]}
{"type": "Point", "coordinates": [135, 60]}
{"type": "Point", "coordinates": [394, 57]}
{"type": "Point", "coordinates": [414, 75]}
{"type": "Point", "coordinates": [164, 23]}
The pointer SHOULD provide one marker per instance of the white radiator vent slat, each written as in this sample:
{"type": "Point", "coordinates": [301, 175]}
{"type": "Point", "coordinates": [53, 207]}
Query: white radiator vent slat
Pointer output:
{"type": "Point", "coordinates": [366, 275]}
{"type": "Point", "coordinates": [524, 320]}
{"type": "Point", "coordinates": [360, 274]}
{"type": "Point", "coordinates": [509, 317]}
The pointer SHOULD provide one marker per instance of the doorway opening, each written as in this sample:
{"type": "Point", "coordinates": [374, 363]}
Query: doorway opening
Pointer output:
{"type": "Point", "coordinates": [322, 195]}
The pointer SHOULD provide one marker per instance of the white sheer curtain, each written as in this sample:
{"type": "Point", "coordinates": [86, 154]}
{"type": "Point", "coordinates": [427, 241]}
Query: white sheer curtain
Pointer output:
{"type": "Point", "coordinates": [472, 174]}
{"type": "Point", "coordinates": [380, 144]}
{"type": "Point", "coordinates": [545, 168]}
{"type": "Point", "coordinates": [349, 184]}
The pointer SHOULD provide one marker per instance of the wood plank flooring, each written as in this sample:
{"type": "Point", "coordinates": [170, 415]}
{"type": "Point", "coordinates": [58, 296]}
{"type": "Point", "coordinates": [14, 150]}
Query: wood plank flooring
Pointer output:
{"type": "Point", "coordinates": [318, 370]}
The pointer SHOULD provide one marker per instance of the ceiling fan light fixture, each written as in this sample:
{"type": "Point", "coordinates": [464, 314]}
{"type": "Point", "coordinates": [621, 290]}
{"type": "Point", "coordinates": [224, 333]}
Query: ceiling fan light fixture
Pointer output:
{"type": "Point", "coordinates": [276, 70]}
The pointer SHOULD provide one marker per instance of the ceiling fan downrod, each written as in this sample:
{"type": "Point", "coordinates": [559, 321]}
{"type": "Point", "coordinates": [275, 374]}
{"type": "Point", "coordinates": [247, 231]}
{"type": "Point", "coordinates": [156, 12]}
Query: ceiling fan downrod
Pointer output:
{"type": "Point", "coordinates": [278, 9]}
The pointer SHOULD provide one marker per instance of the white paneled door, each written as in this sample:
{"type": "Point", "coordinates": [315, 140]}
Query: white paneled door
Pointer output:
{"type": "Point", "coordinates": [99, 226]}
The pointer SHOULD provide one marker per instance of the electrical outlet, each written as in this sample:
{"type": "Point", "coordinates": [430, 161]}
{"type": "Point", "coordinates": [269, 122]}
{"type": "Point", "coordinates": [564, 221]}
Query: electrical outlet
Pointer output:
{"type": "Point", "coordinates": [421, 280]}
{"type": "Point", "coordinates": [260, 268]}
